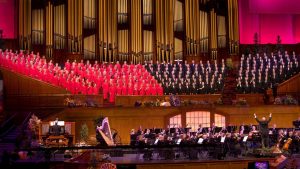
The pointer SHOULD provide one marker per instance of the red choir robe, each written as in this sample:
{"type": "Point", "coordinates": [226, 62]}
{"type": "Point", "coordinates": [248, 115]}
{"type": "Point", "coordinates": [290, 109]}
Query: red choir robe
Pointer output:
{"type": "Point", "coordinates": [68, 66]}
{"type": "Point", "coordinates": [105, 90]}
{"type": "Point", "coordinates": [153, 91]}
{"type": "Point", "coordinates": [142, 91]}
{"type": "Point", "coordinates": [112, 93]}
{"type": "Point", "coordinates": [136, 91]}
{"type": "Point", "coordinates": [90, 90]}
{"type": "Point", "coordinates": [130, 90]}
{"type": "Point", "coordinates": [160, 90]}
{"type": "Point", "coordinates": [124, 90]}
{"type": "Point", "coordinates": [95, 90]}
{"type": "Point", "coordinates": [148, 91]}
{"type": "Point", "coordinates": [119, 90]}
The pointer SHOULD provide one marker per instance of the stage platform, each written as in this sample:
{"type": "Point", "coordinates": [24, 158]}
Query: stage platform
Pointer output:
{"type": "Point", "coordinates": [128, 160]}
{"type": "Point", "coordinates": [123, 119]}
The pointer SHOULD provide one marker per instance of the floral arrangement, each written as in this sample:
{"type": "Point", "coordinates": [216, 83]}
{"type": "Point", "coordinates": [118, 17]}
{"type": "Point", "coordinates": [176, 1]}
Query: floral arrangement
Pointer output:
{"type": "Point", "coordinates": [219, 101]}
{"type": "Point", "coordinates": [285, 100]}
{"type": "Point", "coordinates": [174, 100]}
{"type": "Point", "coordinates": [241, 102]}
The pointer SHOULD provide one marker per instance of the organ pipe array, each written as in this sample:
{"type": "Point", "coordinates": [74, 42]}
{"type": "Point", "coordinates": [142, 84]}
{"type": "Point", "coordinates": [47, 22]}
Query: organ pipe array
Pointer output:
{"type": "Point", "coordinates": [196, 27]}
{"type": "Point", "coordinates": [108, 30]}
{"type": "Point", "coordinates": [49, 30]}
{"type": "Point", "coordinates": [165, 29]}
{"type": "Point", "coordinates": [89, 24]}
{"type": "Point", "coordinates": [24, 28]}
{"type": "Point", "coordinates": [221, 26]}
{"type": "Point", "coordinates": [213, 35]}
{"type": "Point", "coordinates": [233, 26]}
{"type": "Point", "coordinates": [37, 26]}
{"type": "Point", "coordinates": [131, 30]}
{"type": "Point", "coordinates": [75, 14]}
{"type": "Point", "coordinates": [122, 11]}
{"type": "Point", "coordinates": [147, 12]}
{"type": "Point", "coordinates": [89, 8]}
{"type": "Point", "coordinates": [136, 31]}
{"type": "Point", "coordinates": [60, 27]}
{"type": "Point", "coordinates": [148, 45]}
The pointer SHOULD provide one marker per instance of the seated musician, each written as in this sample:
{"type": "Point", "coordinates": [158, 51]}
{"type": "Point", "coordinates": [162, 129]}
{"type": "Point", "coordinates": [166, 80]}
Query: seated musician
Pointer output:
{"type": "Point", "coordinates": [200, 129]}
{"type": "Point", "coordinates": [56, 128]}
{"type": "Point", "coordinates": [296, 123]}
{"type": "Point", "coordinates": [253, 129]}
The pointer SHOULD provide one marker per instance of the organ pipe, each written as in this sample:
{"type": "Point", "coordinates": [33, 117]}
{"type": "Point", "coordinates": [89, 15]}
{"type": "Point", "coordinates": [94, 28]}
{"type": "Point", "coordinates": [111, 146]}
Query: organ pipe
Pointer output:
{"type": "Point", "coordinates": [213, 34]}
{"type": "Point", "coordinates": [122, 11]}
{"type": "Point", "coordinates": [233, 27]}
{"type": "Point", "coordinates": [196, 26]}
{"type": "Point", "coordinates": [148, 45]}
{"type": "Point", "coordinates": [221, 26]}
{"type": "Point", "coordinates": [136, 31]}
{"type": "Point", "coordinates": [49, 30]}
{"type": "Point", "coordinates": [203, 31]}
{"type": "Point", "coordinates": [108, 30]}
{"type": "Point", "coordinates": [59, 27]}
{"type": "Point", "coordinates": [123, 45]}
{"type": "Point", "coordinates": [89, 24]}
{"type": "Point", "coordinates": [164, 29]}
{"type": "Point", "coordinates": [147, 12]}
{"type": "Point", "coordinates": [25, 24]}
{"type": "Point", "coordinates": [75, 26]}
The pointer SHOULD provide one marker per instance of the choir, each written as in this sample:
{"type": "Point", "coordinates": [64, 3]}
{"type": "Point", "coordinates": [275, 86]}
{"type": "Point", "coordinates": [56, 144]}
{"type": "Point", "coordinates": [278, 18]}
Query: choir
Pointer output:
{"type": "Point", "coordinates": [189, 79]}
{"type": "Point", "coordinates": [258, 73]}
{"type": "Point", "coordinates": [85, 78]}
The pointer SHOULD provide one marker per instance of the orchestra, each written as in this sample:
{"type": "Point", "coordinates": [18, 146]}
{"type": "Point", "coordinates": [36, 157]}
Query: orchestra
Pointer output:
{"type": "Point", "coordinates": [231, 138]}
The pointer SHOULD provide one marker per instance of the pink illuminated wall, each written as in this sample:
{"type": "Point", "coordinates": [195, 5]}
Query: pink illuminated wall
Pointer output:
{"type": "Point", "coordinates": [269, 18]}
{"type": "Point", "coordinates": [7, 18]}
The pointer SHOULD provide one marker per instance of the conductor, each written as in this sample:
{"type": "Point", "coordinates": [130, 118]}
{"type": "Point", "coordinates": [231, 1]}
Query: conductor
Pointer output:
{"type": "Point", "coordinates": [264, 129]}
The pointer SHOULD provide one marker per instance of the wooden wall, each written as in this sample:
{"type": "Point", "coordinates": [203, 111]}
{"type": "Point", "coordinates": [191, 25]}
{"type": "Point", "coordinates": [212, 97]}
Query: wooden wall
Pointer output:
{"type": "Point", "coordinates": [123, 119]}
{"type": "Point", "coordinates": [17, 84]}
{"type": "Point", "coordinates": [128, 101]}
{"type": "Point", "coordinates": [289, 87]}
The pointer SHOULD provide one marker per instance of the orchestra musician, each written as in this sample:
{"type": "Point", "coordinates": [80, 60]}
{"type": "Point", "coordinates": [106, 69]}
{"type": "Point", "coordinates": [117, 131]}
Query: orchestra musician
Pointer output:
{"type": "Point", "coordinates": [234, 139]}
{"type": "Point", "coordinates": [264, 129]}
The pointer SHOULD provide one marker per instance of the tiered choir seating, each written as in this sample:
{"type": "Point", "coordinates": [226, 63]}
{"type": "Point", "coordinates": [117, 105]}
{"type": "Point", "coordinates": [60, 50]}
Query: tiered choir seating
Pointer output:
{"type": "Point", "coordinates": [258, 73]}
{"type": "Point", "coordinates": [85, 78]}
{"type": "Point", "coordinates": [185, 79]}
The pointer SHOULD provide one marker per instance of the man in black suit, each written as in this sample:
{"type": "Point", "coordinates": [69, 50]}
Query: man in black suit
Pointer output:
{"type": "Point", "coordinates": [264, 129]}
{"type": "Point", "coordinates": [56, 128]}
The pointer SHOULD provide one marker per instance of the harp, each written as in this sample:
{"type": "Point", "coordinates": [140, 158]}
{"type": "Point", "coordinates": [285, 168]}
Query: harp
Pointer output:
{"type": "Point", "coordinates": [105, 132]}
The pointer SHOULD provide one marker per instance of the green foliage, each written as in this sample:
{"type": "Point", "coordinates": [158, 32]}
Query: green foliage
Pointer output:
{"type": "Point", "coordinates": [84, 132]}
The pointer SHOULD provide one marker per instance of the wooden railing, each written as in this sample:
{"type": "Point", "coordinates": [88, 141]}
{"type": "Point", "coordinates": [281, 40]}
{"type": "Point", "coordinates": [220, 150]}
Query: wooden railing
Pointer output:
{"type": "Point", "coordinates": [288, 87]}
{"type": "Point", "coordinates": [129, 101]}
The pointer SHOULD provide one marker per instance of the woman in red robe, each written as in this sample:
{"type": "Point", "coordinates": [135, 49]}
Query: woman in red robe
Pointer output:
{"type": "Point", "coordinates": [112, 93]}
{"type": "Point", "coordinates": [105, 90]}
